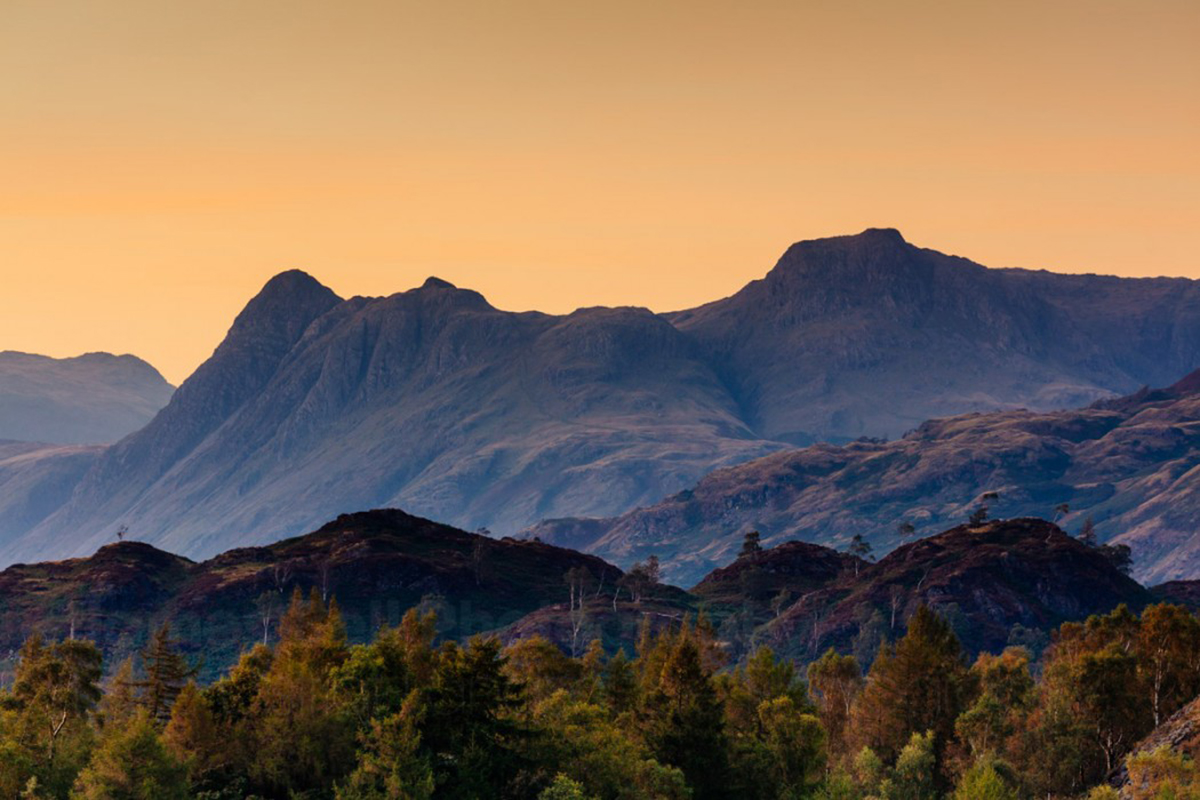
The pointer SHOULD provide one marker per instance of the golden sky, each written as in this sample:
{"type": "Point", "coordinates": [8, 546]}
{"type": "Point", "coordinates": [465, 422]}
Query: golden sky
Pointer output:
{"type": "Point", "coordinates": [160, 159]}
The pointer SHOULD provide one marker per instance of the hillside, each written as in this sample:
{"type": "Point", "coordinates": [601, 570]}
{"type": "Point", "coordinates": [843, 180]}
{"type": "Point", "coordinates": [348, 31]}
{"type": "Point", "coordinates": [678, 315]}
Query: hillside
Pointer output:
{"type": "Point", "coordinates": [983, 579]}
{"type": "Point", "coordinates": [90, 399]}
{"type": "Point", "coordinates": [376, 564]}
{"type": "Point", "coordinates": [435, 401]}
{"type": "Point", "coordinates": [1131, 464]}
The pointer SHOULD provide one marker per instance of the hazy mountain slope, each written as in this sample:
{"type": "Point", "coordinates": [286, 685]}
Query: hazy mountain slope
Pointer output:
{"type": "Point", "coordinates": [430, 399]}
{"type": "Point", "coordinates": [1131, 464]}
{"type": "Point", "coordinates": [870, 335]}
{"type": "Point", "coordinates": [90, 399]}
{"type": "Point", "coordinates": [37, 479]}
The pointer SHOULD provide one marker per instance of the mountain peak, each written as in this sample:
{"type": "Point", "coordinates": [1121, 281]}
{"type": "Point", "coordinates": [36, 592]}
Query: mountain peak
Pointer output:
{"type": "Point", "coordinates": [433, 282]}
{"type": "Point", "coordinates": [292, 282]}
{"type": "Point", "coordinates": [881, 235]}
{"type": "Point", "coordinates": [292, 298]}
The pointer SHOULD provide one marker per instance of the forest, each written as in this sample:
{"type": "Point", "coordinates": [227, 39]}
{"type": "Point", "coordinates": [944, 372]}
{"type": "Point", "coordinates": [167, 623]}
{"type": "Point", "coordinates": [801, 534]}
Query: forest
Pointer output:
{"type": "Point", "coordinates": [408, 717]}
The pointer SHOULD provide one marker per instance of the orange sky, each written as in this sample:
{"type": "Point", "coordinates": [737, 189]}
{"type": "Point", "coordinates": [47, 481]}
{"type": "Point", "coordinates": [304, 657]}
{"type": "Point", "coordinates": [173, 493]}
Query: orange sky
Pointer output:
{"type": "Point", "coordinates": [160, 159]}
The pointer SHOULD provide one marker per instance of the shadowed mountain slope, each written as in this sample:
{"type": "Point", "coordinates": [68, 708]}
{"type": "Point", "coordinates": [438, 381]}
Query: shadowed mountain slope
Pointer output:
{"type": "Point", "coordinates": [435, 401]}
{"type": "Point", "coordinates": [90, 399]}
{"type": "Point", "coordinates": [1131, 464]}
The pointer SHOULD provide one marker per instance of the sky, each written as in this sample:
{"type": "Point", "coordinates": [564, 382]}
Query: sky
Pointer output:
{"type": "Point", "coordinates": [160, 159]}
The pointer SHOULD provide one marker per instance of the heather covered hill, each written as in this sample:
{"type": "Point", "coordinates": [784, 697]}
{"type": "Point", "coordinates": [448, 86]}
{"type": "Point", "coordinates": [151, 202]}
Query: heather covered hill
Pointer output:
{"type": "Point", "coordinates": [1130, 464]}
{"type": "Point", "coordinates": [436, 401]}
{"type": "Point", "coordinates": [379, 564]}
{"type": "Point", "coordinates": [90, 399]}
{"type": "Point", "coordinates": [984, 580]}
{"type": "Point", "coordinates": [792, 568]}
{"type": "Point", "coordinates": [376, 564]}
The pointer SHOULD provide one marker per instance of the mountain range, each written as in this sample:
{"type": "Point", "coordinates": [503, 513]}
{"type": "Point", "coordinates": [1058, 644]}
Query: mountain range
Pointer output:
{"type": "Point", "coordinates": [95, 398]}
{"type": "Point", "coordinates": [435, 401]}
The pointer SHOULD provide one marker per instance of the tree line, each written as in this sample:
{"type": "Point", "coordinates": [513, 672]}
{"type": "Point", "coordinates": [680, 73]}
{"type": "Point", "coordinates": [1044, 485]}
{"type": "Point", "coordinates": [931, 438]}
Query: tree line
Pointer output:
{"type": "Point", "coordinates": [407, 717]}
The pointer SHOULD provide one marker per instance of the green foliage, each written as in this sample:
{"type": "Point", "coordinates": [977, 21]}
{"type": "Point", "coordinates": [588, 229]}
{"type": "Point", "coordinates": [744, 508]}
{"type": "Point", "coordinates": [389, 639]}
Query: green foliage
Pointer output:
{"type": "Point", "coordinates": [474, 731]}
{"type": "Point", "coordinates": [835, 681]}
{"type": "Point", "coordinates": [131, 763]}
{"type": "Point", "coordinates": [684, 719]}
{"type": "Point", "coordinates": [984, 782]}
{"type": "Point", "coordinates": [167, 671]}
{"type": "Point", "coordinates": [391, 765]}
{"type": "Point", "coordinates": [915, 774]}
{"type": "Point", "coordinates": [564, 788]}
{"type": "Point", "coordinates": [405, 718]}
{"type": "Point", "coordinates": [920, 685]}
{"type": "Point", "coordinates": [1162, 774]}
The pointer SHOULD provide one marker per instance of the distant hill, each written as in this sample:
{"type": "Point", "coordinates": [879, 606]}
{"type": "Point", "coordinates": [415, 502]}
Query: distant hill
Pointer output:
{"type": "Point", "coordinates": [1132, 464]}
{"type": "Point", "coordinates": [90, 399]}
{"type": "Point", "coordinates": [435, 401]}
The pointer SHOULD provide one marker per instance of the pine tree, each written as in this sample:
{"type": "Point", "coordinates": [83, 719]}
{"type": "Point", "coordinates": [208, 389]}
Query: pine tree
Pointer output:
{"type": "Point", "coordinates": [1087, 534]}
{"type": "Point", "coordinates": [921, 684]}
{"type": "Point", "coordinates": [474, 729]}
{"type": "Point", "coordinates": [751, 545]}
{"type": "Point", "coordinates": [167, 672]}
{"type": "Point", "coordinates": [685, 721]}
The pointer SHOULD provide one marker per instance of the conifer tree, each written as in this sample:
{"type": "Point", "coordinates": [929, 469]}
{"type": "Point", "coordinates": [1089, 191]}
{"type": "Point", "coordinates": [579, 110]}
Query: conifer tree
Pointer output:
{"type": "Point", "coordinates": [166, 673]}
{"type": "Point", "coordinates": [685, 720]}
{"type": "Point", "coordinates": [921, 684]}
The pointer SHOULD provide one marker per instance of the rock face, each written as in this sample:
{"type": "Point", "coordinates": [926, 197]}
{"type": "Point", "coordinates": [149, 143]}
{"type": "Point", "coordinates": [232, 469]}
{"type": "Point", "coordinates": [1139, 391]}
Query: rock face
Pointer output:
{"type": "Point", "coordinates": [435, 401]}
{"type": "Point", "coordinates": [91, 399]}
{"type": "Point", "coordinates": [1180, 733]}
{"type": "Point", "coordinates": [431, 400]}
{"type": "Point", "coordinates": [1132, 464]}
